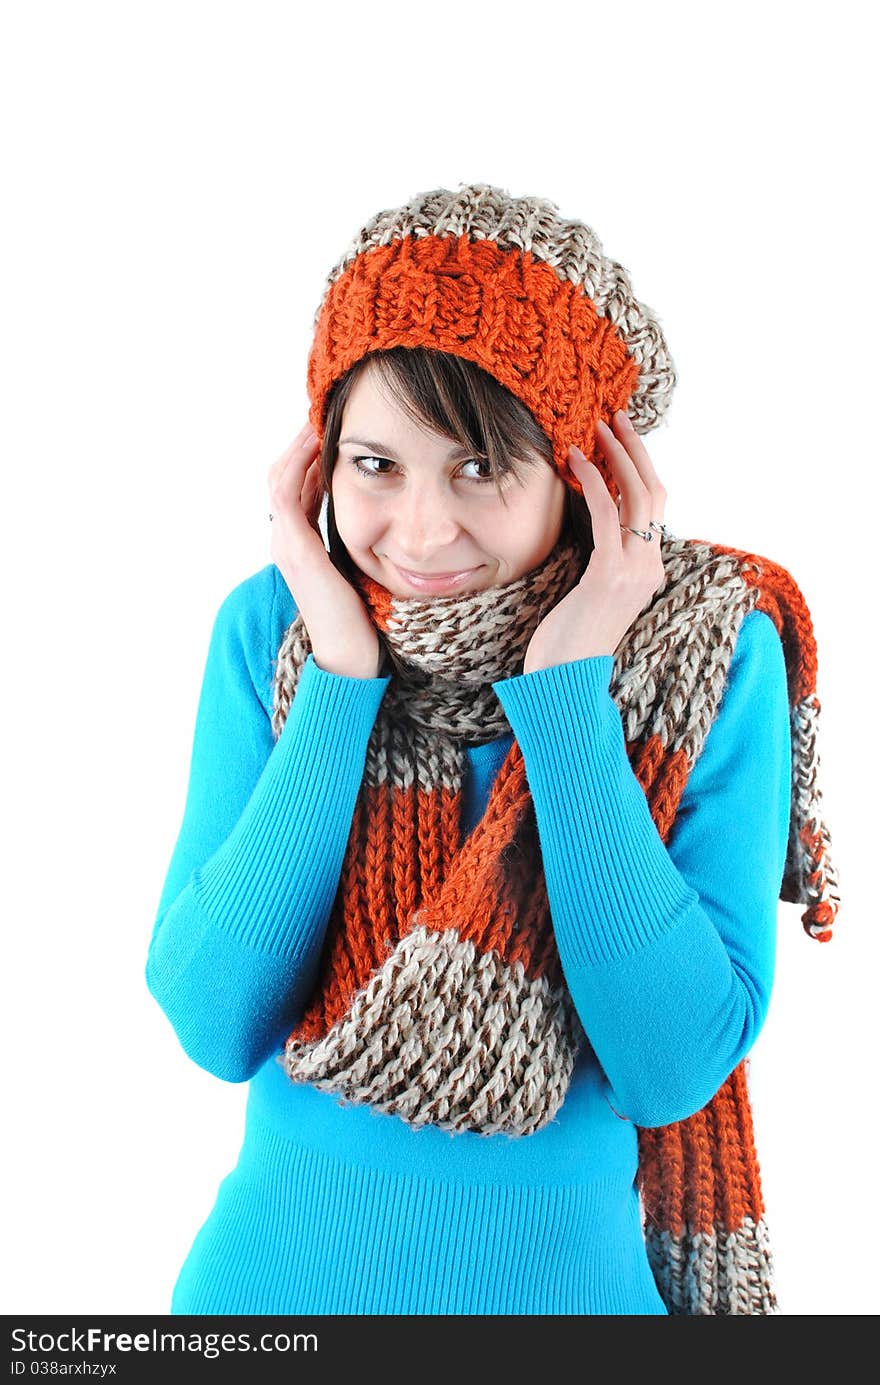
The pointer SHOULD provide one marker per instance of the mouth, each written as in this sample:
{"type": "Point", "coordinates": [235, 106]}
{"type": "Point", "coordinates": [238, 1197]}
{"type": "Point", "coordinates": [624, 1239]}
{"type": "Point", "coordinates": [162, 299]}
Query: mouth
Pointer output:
{"type": "Point", "coordinates": [437, 581]}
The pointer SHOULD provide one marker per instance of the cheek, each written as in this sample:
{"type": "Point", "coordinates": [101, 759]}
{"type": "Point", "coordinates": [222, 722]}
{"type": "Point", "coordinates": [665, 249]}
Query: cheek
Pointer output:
{"type": "Point", "coordinates": [535, 520]}
{"type": "Point", "coordinates": [553, 508]}
{"type": "Point", "coordinates": [340, 492]}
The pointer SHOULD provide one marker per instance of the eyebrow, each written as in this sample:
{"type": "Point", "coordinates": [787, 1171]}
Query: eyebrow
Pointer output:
{"type": "Point", "coordinates": [384, 451]}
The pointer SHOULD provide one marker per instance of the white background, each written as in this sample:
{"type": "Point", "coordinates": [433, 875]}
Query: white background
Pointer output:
{"type": "Point", "coordinates": [178, 180]}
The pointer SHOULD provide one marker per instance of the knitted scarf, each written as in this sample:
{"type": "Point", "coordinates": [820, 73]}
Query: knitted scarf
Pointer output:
{"type": "Point", "coordinates": [440, 995]}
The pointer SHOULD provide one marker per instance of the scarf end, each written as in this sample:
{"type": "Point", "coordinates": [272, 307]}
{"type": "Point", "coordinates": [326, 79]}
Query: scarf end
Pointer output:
{"type": "Point", "coordinates": [810, 876]}
{"type": "Point", "coordinates": [718, 1273]}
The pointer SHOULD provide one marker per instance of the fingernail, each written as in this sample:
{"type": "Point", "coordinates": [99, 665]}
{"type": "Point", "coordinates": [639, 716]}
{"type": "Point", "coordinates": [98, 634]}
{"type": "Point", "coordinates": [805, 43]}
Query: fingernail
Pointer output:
{"type": "Point", "coordinates": [603, 425]}
{"type": "Point", "coordinates": [624, 418]}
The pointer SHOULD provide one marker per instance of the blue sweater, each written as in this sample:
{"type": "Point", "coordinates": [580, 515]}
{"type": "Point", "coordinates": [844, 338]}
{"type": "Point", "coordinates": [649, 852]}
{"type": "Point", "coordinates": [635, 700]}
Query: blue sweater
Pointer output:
{"type": "Point", "coordinates": [668, 951]}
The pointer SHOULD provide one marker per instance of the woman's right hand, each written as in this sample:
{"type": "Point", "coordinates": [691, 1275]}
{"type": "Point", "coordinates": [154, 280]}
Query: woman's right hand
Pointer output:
{"type": "Point", "coordinates": [343, 637]}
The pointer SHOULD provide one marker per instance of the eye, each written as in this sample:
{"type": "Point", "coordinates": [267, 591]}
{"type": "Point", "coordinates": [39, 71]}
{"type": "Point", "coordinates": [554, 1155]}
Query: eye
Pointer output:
{"type": "Point", "coordinates": [479, 462]}
{"type": "Point", "coordinates": [373, 471]}
{"type": "Point", "coordinates": [358, 464]}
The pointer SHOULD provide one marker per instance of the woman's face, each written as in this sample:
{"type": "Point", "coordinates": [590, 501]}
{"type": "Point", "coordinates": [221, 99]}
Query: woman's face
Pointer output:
{"type": "Point", "coordinates": [418, 515]}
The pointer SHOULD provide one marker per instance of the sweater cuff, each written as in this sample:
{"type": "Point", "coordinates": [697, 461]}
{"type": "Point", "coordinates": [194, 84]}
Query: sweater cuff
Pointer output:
{"type": "Point", "coordinates": [295, 827]}
{"type": "Point", "coordinates": [612, 886]}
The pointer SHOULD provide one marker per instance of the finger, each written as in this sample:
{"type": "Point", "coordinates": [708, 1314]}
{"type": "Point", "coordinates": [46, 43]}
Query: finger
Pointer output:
{"type": "Point", "coordinates": [626, 436]}
{"type": "Point", "coordinates": [635, 498]}
{"type": "Point", "coordinates": [604, 517]}
{"type": "Point", "coordinates": [313, 493]}
{"type": "Point", "coordinates": [287, 475]}
{"type": "Point", "coordinates": [609, 534]}
{"type": "Point", "coordinates": [299, 451]}
{"type": "Point", "coordinates": [639, 504]}
{"type": "Point", "coordinates": [634, 514]}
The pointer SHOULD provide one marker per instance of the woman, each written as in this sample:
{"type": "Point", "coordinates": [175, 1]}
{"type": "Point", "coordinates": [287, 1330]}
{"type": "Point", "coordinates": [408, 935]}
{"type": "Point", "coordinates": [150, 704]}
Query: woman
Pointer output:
{"type": "Point", "coordinates": [490, 810]}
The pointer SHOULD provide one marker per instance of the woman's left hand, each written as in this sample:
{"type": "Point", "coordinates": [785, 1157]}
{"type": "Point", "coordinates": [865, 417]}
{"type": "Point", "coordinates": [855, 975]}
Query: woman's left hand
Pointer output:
{"type": "Point", "coordinates": [624, 571]}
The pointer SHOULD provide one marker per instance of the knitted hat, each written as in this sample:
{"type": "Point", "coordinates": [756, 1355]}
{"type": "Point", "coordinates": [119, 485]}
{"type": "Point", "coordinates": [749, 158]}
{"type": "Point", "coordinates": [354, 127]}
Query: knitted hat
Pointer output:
{"type": "Point", "coordinates": [508, 283]}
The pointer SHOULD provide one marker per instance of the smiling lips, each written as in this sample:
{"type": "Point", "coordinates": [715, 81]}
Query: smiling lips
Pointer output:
{"type": "Point", "coordinates": [435, 581]}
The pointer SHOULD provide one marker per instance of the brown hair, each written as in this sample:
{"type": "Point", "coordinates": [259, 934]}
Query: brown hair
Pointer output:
{"type": "Point", "coordinates": [461, 401]}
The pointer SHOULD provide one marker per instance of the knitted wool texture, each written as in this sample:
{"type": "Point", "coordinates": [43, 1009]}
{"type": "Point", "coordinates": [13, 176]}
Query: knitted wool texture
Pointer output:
{"type": "Point", "coordinates": [440, 995]}
{"type": "Point", "coordinates": [507, 283]}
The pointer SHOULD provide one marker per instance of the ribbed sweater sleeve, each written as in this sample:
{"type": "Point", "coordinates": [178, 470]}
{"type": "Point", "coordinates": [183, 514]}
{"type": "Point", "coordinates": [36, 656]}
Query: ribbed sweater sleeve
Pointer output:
{"type": "Point", "coordinates": [668, 949]}
{"type": "Point", "coordinates": [257, 860]}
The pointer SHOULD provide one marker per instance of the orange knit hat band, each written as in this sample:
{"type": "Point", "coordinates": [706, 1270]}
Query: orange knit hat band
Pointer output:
{"type": "Point", "coordinates": [509, 284]}
{"type": "Point", "coordinates": [538, 335]}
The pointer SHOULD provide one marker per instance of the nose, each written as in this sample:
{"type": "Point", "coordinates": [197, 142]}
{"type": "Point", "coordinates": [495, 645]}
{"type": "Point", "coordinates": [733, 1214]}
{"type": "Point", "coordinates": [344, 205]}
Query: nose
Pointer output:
{"type": "Point", "coordinates": [426, 521]}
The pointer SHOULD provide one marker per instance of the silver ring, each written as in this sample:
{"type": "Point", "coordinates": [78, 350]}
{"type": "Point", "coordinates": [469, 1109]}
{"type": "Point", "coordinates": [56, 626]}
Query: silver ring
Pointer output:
{"type": "Point", "coordinates": [644, 534]}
